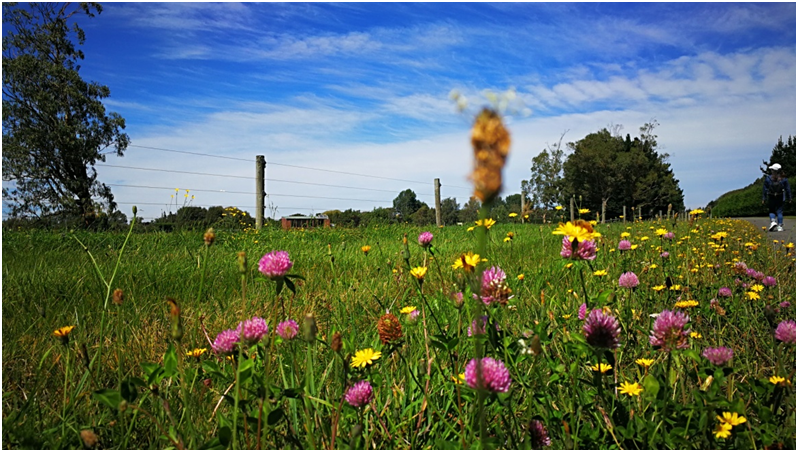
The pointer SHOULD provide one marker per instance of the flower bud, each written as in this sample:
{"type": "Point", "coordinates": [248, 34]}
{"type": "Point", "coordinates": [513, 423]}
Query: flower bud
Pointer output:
{"type": "Point", "coordinates": [209, 237]}
{"type": "Point", "coordinates": [118, 297]}
{"type": "Point", "coordinates": [309, 328]}
{"type": "Point", "coordinates": [337, 343]}
{"type": "Point", "coordinates": [135, 210]}
{"type": "Point", "coordinates": [242, 262]}
{"type": "Point", "coordinates": [175, 320]}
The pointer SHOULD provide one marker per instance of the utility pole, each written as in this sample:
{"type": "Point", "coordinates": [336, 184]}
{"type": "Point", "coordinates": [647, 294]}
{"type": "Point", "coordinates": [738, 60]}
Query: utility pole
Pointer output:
{"type": "Point", "coordinates": [260, 192]}
{"type": "Point", "coordinates": [438, 217]}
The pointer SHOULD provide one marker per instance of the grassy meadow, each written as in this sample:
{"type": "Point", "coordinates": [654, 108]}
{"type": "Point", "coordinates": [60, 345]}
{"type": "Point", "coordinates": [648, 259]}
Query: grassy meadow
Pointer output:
{"type": "Point", "coordinates": [132, 373]}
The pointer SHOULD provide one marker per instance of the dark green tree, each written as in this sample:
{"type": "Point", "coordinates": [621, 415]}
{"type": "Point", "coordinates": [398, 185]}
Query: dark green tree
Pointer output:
{"type": "Point", "coordinates": [449, 211]}
{"type": "Point", "coordinates": [406, 204]}
{"type": "Point", "coordinates": [621, 172]}
{"type": "Point", "coordinates": [470, 211]}
{"type": "Point", "coordinates": [55, 126]}
{"type": "Point", "coordinates": [783, 154]}
{"type": "Point", "coordinates": [423, 216]}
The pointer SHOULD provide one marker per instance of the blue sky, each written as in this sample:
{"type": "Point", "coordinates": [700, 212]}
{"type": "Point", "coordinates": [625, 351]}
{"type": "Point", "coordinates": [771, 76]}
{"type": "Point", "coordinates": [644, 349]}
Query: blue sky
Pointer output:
{"type": "Point", "coordinates": [364, 88]}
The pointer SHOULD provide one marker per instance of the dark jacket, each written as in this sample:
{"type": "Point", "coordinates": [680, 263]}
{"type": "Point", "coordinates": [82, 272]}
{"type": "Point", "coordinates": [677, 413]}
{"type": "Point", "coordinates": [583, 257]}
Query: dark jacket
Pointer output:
{"type": "Point", "coordinates": [786, 194]}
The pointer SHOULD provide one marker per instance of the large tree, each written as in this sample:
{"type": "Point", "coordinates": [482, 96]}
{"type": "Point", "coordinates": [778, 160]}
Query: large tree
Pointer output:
{"type": "Point", "coordinates": [55, 126]}
{"type": "Point", "coordinates": [605, 167]}
{"type": "Point", "coordinates": [406, 203]}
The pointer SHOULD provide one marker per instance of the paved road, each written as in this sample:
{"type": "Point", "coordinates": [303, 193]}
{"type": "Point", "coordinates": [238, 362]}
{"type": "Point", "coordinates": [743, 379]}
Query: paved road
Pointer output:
{"type": "Point", "coordinates": [789, 228]}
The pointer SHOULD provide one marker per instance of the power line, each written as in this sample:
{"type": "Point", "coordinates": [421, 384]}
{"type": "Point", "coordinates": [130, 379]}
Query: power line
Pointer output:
{"type": "Point", "coordinates": [174, 171]}
{"type": "Point", "coordinates": [291, 166]}
{"type": "Point", "coordinates": [191, 189]}
{"type": "Point", "coordinates": [190, 153]}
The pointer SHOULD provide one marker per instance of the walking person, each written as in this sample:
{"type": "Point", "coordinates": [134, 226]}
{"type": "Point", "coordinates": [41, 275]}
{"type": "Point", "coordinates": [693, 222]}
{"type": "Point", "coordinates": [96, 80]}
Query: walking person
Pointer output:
{"type": "Point", "coordinates": [776, 191]}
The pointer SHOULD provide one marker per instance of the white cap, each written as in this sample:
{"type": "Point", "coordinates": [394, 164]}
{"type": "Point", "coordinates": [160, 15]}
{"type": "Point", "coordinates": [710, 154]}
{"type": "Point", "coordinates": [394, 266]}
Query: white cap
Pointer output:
{"type": "Point", "coordinates": [775, 167]}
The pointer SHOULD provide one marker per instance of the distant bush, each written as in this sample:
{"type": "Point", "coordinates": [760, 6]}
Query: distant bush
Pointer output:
{"type": "Point", "coordinates": [747, 202]}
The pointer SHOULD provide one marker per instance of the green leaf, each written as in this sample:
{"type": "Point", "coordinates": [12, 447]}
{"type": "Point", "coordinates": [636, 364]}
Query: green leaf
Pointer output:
{"type": "Point", "coordinates": [438, 345]}
{"type": "Point", "coordinates": [170, 362]}
{"type": "Point", "coordinates": [275, 416]}
{"type": "Point", "coordinates": [154, 373]}
{"type": "Point", "coordinates": [128, 390]}
{"type": "Point", "coordinates": [110, 397]}
{"type": "Point", "coordinates": [245, 370]}
{"type": "Point", "coordinates": [650, 387]}
{"type": "Point", "coordinates": [296, 277]}
{"type": "Point", "coordinates": [290, 285]}
{"type": "Point", "coordinates": [605, 297]}
{"type": "Point", "coordinates": [279, 286]}
{"type": "Point", "coordinates": [692, 354]}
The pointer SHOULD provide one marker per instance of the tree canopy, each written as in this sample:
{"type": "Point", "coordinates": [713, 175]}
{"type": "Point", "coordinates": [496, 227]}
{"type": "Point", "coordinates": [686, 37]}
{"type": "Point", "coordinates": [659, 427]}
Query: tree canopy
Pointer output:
{"type": "Point", "coordinates": [55, 125]}
{"type": "Point", "coordinates": [621, 172]}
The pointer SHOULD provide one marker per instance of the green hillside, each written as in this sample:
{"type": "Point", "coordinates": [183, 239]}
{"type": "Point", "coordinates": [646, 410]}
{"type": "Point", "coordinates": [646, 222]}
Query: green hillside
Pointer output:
{"type": "Point", "coordinates": [747, 202]}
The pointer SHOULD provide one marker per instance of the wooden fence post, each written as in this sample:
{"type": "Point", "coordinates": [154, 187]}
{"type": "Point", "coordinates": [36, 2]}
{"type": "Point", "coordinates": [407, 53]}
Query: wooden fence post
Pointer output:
{"type": "Point", "coordinates": [438, 217]}
{"type": "Point", "coordinates": [624, 214]}
{"type": "Point", "coordinates": [572, 209]}
{"type": "Point", "coordinates": [260, 192]}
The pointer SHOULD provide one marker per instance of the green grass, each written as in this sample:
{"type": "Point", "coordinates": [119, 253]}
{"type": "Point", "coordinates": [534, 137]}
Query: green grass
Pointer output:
{"type": "Point", "coordinates": [290, 392]}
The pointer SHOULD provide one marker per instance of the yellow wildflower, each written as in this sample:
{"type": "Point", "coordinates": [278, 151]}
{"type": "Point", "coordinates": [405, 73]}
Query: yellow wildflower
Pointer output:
{"type": "Point", "coordinates": [365, 249]}
{"type": "Point", "coordinates": [731, 419]}
{"type": "Point", "coordinates": [660, 232]}
{"type": "Point", "coordinates": [686, 304]}
{"type": "Point", "coordinates": [584, 211]}
{"type": "Point", "coordinates": [575, 232]}
{"type": "Point", "coordinates": [645, 362]}
{"type": "Point", "coordinates": [625, 235]}
{"type": "Point", "coordinates": [695, 335]}
{"type": "Point", "coordinates": [757, 288]}
{"type": "Point", "coordinates": [513, 215]}
{"type": "Point", "coordinates": [365, 357]}
{"type": "Point", "coordinates": [488, 222]}
{"type": "Point", "coordinates": [631, 389]}
{"type": "Point", "coordinates": [776, 379]}
{"type": "Point", "coordinates": [658, 288]}
{"type": "Point", "coordinates": [196, 353]}
{"type": "Point", "coordinates": [419, 272]}
{"type": "Point", "coordinates": [600, 273]}
{"type": "Point", "coordinates": [753, 296]}
{"type": "Point", "coordinates": [520, 277]}
{"type": "Point", "coordinates": [558, 207]}
{"type": "Point", "coordinates": [723, 430]}
{"type": "Point", "coordinates": [603, 368]}
{"type": "Point", "coordinates": [467, 261]}
{"type": "Point", "coordinates": [407, 309]}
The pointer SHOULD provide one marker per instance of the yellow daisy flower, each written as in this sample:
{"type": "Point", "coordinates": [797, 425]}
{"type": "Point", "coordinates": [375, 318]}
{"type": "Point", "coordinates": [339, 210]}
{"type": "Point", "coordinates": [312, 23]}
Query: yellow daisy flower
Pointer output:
{"type": "Point", "coordinates": [520, 277]}
{"type": "Point", "coordinates": [625, 235]}
{"type": "Point", "coordinates": [584, 211]}
{"type": "Point", "coordinates": [63, 331]}
{"type": "Point", "coordinates": [600, 273]}
{"type": "Point", "coordinates": [660, 232]}
{"type": "Point", "coordinates": [513, 215]}
{"type": "Point", "coordinates": [419, 272]}
{"type": "Point", "coordinates": [467, 261]}
{"type": "Point", "coordinates": [731, 419]}
{"type": "Point", "coordinates": [196, 353]}
{"type": "Point", "coordinates": [686, 304]}
{"type": "Point", "coordinates": [658, 288]}
{"type": "Point", "coordinates": [753, 296]}
{"type": "Point", "coordinates": [603, 368]}
{"type": "Point", "coordinates": [365, 249]}
{"type": "Point", "coordinates": [558, 207]}
{"type": "Point", "coordinates": [365, 357]}
{"type": "Point", "coordinates": [776, 379]}
{"type": "Point", "coordinates": [574, 232]}
{"type": "Point", "coordinates": [695, 335]}
{"type": "Point", "coordinates": [407, 309]}
{"type": "Point", "coordinates": [631, 389]}
{"type": "Point", "coordinates": [645, 362]}
{"type": "Point", "coordinates": [487, 222]}
{"type": "Point", "coordinates": [757, 288]}
{"type": "Point", "coordinates": [723, 430]}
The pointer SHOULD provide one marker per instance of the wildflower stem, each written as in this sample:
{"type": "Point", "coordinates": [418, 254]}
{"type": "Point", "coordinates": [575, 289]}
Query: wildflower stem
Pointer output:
{"type": "Point", "coordinates": [482, 239]}
{"type": "Point", "coordinates": [236, 396]}
{"type": "Point", "coordinates": [582, 280]}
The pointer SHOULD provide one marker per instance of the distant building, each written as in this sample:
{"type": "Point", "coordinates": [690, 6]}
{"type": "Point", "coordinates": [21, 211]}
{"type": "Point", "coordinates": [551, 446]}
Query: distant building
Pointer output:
{"type": "Point", "coordinates": [302, 221]}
